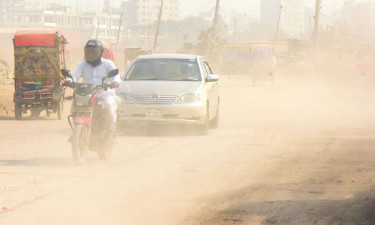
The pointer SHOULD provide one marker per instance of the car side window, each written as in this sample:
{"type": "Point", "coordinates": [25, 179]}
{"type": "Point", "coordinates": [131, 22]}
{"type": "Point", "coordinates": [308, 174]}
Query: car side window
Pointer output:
{"type": "Point", "coordinates": [209, 71]}
{"type": "Point", "coordinates": [204, 70]}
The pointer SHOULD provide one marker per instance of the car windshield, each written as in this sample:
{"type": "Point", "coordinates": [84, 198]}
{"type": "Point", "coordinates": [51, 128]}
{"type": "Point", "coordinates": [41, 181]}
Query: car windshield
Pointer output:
{"type": "Point", "coordinates": [165, 69]}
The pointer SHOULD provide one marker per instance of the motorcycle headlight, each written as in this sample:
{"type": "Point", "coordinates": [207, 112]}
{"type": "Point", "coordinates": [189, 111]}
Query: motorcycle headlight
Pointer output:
{"type": "Point", "coordinates": [189, 98]}
{"type": "Point", "coordinates": [82, 100]}
{"type": "Point", "coordinates": [128, 99]}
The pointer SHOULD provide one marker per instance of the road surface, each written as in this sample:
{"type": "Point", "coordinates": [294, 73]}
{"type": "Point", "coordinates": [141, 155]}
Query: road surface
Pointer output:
{"type": "Point", "coordinates": [301, 151]}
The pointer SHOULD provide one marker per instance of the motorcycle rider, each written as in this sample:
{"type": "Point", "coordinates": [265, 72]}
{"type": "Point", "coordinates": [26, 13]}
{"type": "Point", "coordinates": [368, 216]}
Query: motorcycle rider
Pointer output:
{"type": "Point", "coordinates": [93, 69]}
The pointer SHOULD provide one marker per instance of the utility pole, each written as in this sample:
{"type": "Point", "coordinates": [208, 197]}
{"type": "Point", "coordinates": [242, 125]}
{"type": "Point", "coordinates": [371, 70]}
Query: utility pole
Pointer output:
{"type": "Point", "coordinates": [97, 29]}
{"type": "Point", "coordinates": [119, 30]}
{"type": "Point", "coordinates": [147, 44]}
{"type": "Point", "coordinates": [278, 24]}
{"type": "Point", "coordinates": [158, 25]}
{"type": "Point", "coordinates": [211, 33]}
{"type": "Point", "coordinates": [317, 17]}
{"type": "Point", "coordinates": [316, 29]}
{"type": "Point", "coordinates": [234, 31]}
{"type": "Point", "coordinates": [215, 17]}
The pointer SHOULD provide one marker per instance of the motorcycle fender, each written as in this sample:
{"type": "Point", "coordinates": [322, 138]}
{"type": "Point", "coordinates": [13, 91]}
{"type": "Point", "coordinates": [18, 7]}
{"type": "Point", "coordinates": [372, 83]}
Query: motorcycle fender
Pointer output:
{"type": "Point", "coordinates": [83, 120]}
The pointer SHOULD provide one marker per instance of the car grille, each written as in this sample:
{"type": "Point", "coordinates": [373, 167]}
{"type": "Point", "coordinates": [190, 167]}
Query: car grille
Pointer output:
{"type": "Point", "coordinates": [156, 99]}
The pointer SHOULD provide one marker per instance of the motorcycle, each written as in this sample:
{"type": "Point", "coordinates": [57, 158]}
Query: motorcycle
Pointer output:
{"type": "Point", "coordinates": [88, 123]}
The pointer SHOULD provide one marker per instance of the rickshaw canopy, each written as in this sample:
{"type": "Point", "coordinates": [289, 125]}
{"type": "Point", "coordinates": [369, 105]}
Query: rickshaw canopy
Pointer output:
{"type": "Point", "coordinates": [32, 38]}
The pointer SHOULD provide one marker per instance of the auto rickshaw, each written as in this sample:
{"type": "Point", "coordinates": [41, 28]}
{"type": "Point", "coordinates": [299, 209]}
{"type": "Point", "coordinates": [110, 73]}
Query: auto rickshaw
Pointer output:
{"type": "Point", "coordinates": [38, 60]}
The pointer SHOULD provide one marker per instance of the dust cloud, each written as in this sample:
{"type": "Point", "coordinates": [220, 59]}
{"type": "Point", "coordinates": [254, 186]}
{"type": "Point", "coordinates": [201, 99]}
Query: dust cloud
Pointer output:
{"type": "Point", "coordinates": [295, 143]}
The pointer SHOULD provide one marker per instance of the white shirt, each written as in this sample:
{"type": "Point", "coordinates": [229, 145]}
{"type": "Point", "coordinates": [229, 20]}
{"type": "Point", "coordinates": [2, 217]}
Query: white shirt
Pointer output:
{"type": "Point", "coordinates": [94, 75]}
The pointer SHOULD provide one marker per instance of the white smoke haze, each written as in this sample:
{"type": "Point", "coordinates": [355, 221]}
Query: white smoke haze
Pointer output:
{"type": "Point", "coordinates": [298, 150]}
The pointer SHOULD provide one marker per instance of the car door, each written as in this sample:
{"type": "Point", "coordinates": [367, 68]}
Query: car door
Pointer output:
{"type": "Point", "coordinates": [206, 86]}
{"type": "Point", "coordinates": [212, 91]}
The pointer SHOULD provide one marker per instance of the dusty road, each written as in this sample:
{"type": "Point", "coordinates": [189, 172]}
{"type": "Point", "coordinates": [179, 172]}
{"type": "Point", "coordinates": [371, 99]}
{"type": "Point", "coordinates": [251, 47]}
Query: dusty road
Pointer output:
{"type": "Point", "coordinates": [299, 152]}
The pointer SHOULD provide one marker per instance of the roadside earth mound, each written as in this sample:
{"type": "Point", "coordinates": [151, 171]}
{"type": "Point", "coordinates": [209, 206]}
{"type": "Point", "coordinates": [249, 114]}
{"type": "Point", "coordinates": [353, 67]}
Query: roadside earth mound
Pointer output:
{"type": "Point", "coordinates": [6, 76]}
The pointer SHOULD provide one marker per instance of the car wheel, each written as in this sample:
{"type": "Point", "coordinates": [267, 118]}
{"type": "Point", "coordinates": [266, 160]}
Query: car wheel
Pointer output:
{"type": "Point", "coordinates": [204, 128]}
{"type": "Point", "coordinates": [215, 122]}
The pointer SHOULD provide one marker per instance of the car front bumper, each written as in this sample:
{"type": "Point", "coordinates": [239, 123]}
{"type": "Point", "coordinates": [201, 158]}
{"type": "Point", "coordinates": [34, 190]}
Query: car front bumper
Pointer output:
{"type": "Point", "coordinates": [193, 114]}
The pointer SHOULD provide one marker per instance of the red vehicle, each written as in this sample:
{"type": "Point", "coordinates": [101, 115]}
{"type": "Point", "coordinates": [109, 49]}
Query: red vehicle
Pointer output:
{"type": "Point", "coordinates": [38, 59]}
{"type": "Point", "coordinates": [108, 53]}
{"type": "Point", "coordinates": [366, 60]}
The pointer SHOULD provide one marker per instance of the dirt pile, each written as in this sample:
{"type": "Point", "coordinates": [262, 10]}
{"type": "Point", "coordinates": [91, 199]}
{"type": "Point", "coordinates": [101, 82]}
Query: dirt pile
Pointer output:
{"type": "Point", "coordinates": [6, 100]}
{"type": "Point", "coordinates": [6, 76]}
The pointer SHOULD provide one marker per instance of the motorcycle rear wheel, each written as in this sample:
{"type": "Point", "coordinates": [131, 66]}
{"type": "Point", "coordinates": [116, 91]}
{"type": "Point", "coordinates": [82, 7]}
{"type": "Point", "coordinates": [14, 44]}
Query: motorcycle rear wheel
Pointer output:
{"type": "Point", "coordinates": [80, 143]}
{"type": "Point", "coordinates": [106, 149]}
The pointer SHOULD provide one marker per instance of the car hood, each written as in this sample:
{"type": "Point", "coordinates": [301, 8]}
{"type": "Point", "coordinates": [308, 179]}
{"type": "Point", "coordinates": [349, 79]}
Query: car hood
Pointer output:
{"type": "Point", "coordinates": [159, 87]}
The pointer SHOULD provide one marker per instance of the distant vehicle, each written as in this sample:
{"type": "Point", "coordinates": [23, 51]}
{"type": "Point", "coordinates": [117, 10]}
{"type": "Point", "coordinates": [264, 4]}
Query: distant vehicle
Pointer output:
{"type": "Point", "coordinates": [366, 60]}
{"type": "Point", "coordinates": [234, 59]}
{"type": "Point", "coordinates": [108, 53]}
{"type": "Point", "coordinates": [170, 88]}
{"type": "Point", "coordinates": [262, 64]}
{"type": "Point", "coordinates": [38, 59]}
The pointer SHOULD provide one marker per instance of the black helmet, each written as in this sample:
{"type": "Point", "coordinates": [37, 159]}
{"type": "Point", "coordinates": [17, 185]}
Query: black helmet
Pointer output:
{"type": "Point", "coordinates": [93, 50]}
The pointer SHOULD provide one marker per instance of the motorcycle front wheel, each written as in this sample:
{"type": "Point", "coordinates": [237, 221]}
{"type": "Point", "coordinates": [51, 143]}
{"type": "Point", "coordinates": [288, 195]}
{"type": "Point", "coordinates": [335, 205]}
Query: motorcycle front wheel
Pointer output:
{"type": "Point", "coordinates": [80, 143]}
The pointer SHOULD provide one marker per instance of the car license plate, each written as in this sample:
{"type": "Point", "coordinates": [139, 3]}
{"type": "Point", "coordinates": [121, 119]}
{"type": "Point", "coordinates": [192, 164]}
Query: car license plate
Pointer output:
{"type": "Point", "coordinates": [154, 114]}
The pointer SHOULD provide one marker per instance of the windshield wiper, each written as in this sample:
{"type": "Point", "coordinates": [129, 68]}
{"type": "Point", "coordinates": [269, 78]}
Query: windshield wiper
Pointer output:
{"type": "Point", "coordinates": [188, 79]}
{"type": "Point", "coordinates": [148, 79]}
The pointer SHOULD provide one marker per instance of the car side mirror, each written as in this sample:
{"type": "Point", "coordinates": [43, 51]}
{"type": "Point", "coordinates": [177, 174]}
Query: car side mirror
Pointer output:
{"type": "Point", "coordinates": [212, 78]}
{"type": "Point", "coordinates": [112, 73]}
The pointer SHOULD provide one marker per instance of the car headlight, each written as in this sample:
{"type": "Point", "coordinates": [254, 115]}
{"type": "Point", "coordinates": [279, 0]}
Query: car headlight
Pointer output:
{"type": "Point", "coordinates": [189, 98]}
{"type": "Point", "coordinates": [128, 99]}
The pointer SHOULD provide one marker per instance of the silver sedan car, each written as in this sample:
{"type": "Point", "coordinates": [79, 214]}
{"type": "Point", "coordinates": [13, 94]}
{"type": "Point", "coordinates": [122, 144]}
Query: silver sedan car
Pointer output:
{"type": "Point", "coordinates": [170, 88]}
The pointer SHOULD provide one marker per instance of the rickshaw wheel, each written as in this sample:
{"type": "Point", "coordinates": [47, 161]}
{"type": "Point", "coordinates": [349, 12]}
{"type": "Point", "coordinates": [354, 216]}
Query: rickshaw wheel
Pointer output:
{"type": "Point", "coordinates": [80, 143]}
{"type": "Point", "coordinates": [59, 108]}
{"type": "Point", "coordinates": [18, 111]}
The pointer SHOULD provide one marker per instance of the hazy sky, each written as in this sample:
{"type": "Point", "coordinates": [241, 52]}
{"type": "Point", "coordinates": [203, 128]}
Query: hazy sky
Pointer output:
{"type": "Point", "coordinates": [192, 7]}
{"type": "Point", "coordinates": [251, 7]}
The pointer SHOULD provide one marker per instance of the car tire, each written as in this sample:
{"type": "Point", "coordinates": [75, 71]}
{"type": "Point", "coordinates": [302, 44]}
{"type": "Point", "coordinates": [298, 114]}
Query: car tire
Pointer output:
{"type": "Point", "coordinates": [215, 122]}
{"type": "Point", "coordinates": [106, 149]}
{"type": "Point", "coordinates": [205, 128]}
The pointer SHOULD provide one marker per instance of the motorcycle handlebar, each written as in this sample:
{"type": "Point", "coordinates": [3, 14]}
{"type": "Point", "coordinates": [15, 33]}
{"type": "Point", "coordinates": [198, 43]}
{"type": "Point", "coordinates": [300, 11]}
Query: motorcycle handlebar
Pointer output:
{"type": "Point", "coordinates": [73, 85]}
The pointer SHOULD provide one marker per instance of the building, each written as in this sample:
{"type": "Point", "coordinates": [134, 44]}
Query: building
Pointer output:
{"type": "Point", "coordinates": [18, 5]}
{"type": "Point", "coordinates": [269, 12]}
{"type": "Point", "coordinates": [11, 6]}
{"type": "Point", "coordinates": [362, 12]}
{"type": "Point", "coordinates": [145, 12]}
{"type": "Point", "coordinates": [84, 25]}
{"type": "Point", "coordinates": [364, 23]}
{"type": "Point", "coordinates": [292, 20]}
{"type": "Point", "coordinates": [309, 21]}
